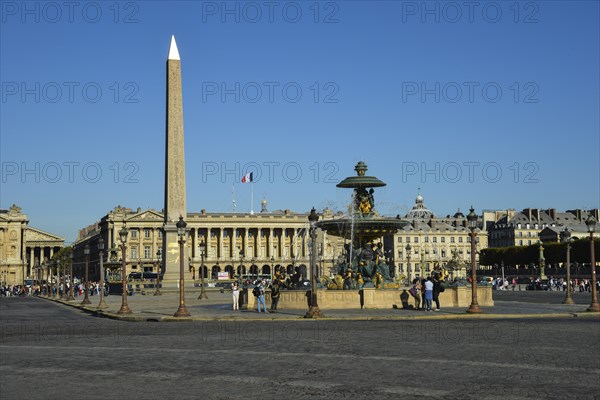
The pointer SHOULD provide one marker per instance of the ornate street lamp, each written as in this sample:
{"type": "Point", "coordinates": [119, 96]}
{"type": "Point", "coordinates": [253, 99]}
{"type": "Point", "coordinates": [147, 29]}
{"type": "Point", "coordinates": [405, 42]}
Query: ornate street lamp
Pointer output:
{"type": "Point", "coordinates": [123, 232]}
{"type": "Point", "coordinates": [202, 248]}
{"type": "Point", "coordinates": [158, 268]}
{"type": "Point", "coordinates": [591, 225]}
{"type": "Point", "coordinates": [86, 252]}
{"type": "Point", "coordinates": [409, 268]}
{"type": "Point", "coordinates": [472, 220]}
{"type": "Point", "coordinates": [182, 310]}
{"type": "Point", "coordinates": [565, 237]}
{"type": "Point", "coordinates": [313, 311]}
{"type": "Point", "coordinates": [273, 272]}
{"type": "Point", "coordinates": [70, 296]}
{"type": "Point", "coordinates": [100, 245]}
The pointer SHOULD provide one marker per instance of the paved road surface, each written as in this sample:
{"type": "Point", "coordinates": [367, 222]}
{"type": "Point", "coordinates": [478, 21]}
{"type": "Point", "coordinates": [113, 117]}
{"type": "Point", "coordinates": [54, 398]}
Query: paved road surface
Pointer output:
{"type": "Point", "coordinates": [51, 351]}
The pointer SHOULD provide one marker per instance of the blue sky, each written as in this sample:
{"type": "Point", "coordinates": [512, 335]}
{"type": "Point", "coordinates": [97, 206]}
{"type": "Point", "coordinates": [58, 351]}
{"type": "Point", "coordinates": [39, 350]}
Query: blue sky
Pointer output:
{"type": "Point", "coordinates": [493, 104]}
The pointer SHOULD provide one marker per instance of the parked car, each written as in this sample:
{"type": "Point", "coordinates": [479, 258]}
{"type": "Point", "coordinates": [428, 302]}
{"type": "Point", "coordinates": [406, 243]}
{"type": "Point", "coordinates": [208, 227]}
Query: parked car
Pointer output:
{"type": "Point", "coordinates": [540, 285]}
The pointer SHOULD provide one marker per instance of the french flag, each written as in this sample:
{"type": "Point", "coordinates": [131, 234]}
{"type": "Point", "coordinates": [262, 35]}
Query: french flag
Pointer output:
{"type": "Point", "coordinates": [249, 177]}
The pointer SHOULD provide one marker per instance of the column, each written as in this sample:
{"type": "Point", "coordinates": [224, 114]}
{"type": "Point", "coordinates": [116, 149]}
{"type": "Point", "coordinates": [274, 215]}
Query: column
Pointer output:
{"type": "Point", "coordinates": [271, 243]}
{"type": "Point", "coordinates": [221, 236]}
{"type": "Point", "coordinates": [245, 243]}
{"type": "Point", "coordinates": [31, 261]}
{"type": "Point", "coordinates": [234, 251]}
{"type": "Point", "coordinates": [258, 243]}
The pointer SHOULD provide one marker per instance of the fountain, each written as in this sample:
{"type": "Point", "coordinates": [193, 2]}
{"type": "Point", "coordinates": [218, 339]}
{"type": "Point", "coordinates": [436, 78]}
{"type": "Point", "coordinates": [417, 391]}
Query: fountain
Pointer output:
{"type": "Point", "coordinates": [363, 271]}
{"type": "Point", "coordinates": [364, 264]}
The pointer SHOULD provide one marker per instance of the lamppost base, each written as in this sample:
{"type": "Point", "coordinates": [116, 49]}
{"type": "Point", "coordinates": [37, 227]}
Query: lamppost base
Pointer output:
{"type": "Point", "coordinates": [314, 312]}
{"type": "Point", "coordinates": [102, 305]}
{"type": "Point", "coordinates": [474, 309]}
{"type": "Point", "coordinates": [568, 300]}
{"type": "Point", "coordinates": [182, 312]}
{"type": "Point", "coordinates": [85, 301]}
{"type": "Point", "coordinates": [124, 309]}
{"type": "Point", "coordinates": [594, 307]}
{"type": "Point", "coordinates": [202, 294]}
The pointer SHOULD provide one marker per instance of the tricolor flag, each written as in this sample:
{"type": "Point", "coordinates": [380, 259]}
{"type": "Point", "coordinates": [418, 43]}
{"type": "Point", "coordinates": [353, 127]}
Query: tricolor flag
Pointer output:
{"type": "Point", "coordinates": [249, 177]}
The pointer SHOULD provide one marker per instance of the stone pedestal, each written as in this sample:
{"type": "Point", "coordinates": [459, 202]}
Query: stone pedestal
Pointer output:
{"type": "Point", "coordinates": [375, 298]}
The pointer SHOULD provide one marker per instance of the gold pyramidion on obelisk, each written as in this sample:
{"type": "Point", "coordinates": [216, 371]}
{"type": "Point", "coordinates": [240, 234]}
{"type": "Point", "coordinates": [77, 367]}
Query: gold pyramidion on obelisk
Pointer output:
{"type": "Point", "coordinates": [175, 204]}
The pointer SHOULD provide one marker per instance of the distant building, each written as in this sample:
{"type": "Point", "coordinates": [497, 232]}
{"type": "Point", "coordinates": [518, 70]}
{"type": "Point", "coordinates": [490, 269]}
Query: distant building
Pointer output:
{"type": "Point", "coordinates": [433, 241]}
{"type": "Point", "coordinates": [532, 225]}
{"type": "Point", "coordinates": [23, 249]}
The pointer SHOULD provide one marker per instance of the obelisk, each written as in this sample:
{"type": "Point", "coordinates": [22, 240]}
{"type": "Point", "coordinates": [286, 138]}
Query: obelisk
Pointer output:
{"type": "Point", "coordinates": [175, 204]}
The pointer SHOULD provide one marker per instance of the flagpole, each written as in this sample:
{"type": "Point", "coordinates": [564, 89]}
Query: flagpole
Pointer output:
{"type": "Point", "coordinates": [233, 196]}
{"type": "Point", "coordinates": [252, 197]}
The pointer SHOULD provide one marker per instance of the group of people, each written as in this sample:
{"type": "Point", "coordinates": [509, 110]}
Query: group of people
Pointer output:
{"type": "Point", "coordinates": [425, 292]}
{"type": "Point", "coordinates": [583, 285]}
{"type": "Point", "coordinates": [35, 289]}
{"type": "Point", "coordinates": [259, 290]}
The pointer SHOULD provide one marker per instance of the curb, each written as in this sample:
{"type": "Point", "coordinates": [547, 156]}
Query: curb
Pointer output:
{"type": "Point", "coordinates": [133, 318]}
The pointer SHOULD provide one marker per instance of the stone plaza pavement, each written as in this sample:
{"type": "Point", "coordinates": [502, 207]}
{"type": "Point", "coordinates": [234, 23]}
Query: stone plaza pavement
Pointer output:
{"type": "Point", "coordinates": [218, 307]}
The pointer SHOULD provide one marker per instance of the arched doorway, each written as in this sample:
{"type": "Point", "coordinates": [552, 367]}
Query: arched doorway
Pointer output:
{"type": "Point", "coordinates": [241, 270]}
{"type": "Point", "coordinates": [215, 272]}
{"type": "Point", "coordinates": [205, 270]}
{"type": "Point", "coordinates": [266, 270]}
{"type": "Point", "coordinates": [290, 269]}
{"type": "Point", "coordinates": [229, 270]}
{"type": "Point", "coordinates": [254, 270]}
{"type": "Point", "coordinates": [302, 269]}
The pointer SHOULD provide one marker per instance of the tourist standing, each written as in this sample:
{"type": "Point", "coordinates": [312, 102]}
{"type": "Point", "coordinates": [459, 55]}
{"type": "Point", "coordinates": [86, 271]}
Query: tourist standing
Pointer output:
{"type": "Point", "coordinates": [428, 293]}
{"type": "Point", "coordinates": [274, 295]}
{"type": "Point", "coordinates": [236, 296]}
{"type": "Point", "coordinates": [415, 292]}
{"type": "Point", "coordinates": [261, 296]}
{"type": "Point", "coordinates": [437, 288]}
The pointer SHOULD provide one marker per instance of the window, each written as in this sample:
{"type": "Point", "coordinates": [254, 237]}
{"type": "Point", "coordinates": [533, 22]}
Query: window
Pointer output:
{"type": "Point", "coordinates": [443, 253]}
{"type": "Point", "coordinates": [530, 243]}
{"type": "Point", "coordinates": [160, 234]}
{"type": "Point", "coordinates": [427, 268]}
{"type": "Point", "coordinates": [408, 240]}
{"type": "Point", "coordinates": [443, 239]}
{"type": "Point", "coordinates": [452, 239]}
{"type": "Point", "coordinates": [134, 233]}
{"type": "Point", "coordinates": [426, 239]}
{"type": "Point", "coordinates": [399, 239]}
{"type": "Point", "coordinates": [147, 252]}
{"type": "Point", "coordinates": [460, 239]}
{"type": "Point", "coordinates": [147, 233]}
{"type": "Point", "coordinates": [134, 252]}
{"type": "Point", "coordinates": [434, 239]}
{"type": "Point", "coordinates": [520, 243]}
{"type": "Point", "coordinates": [416, 240]}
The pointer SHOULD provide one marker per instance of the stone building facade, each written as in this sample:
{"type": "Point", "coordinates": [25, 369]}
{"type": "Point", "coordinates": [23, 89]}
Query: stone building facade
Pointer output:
{"type": "Point", "coordinates": [428, 241]}
{"type": "Point", "coordinates": [24, 250]}
{"type": "Point", "coordinates": [532, 225]}
{"type": "Point", "coordinates": [238, 244]}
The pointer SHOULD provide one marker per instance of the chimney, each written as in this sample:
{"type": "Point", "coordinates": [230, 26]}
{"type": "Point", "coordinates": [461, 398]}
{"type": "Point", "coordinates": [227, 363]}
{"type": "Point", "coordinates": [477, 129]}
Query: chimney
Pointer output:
{"type": "Point", "coordinates": [535, 213]}
{"type": "Point", "coordinates": [552, 214]}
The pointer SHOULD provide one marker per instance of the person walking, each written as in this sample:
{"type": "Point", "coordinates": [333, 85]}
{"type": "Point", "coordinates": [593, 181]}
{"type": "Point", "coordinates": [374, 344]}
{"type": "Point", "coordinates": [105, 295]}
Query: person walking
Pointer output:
{"type": "Point", "coordinates": [236, 296]}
